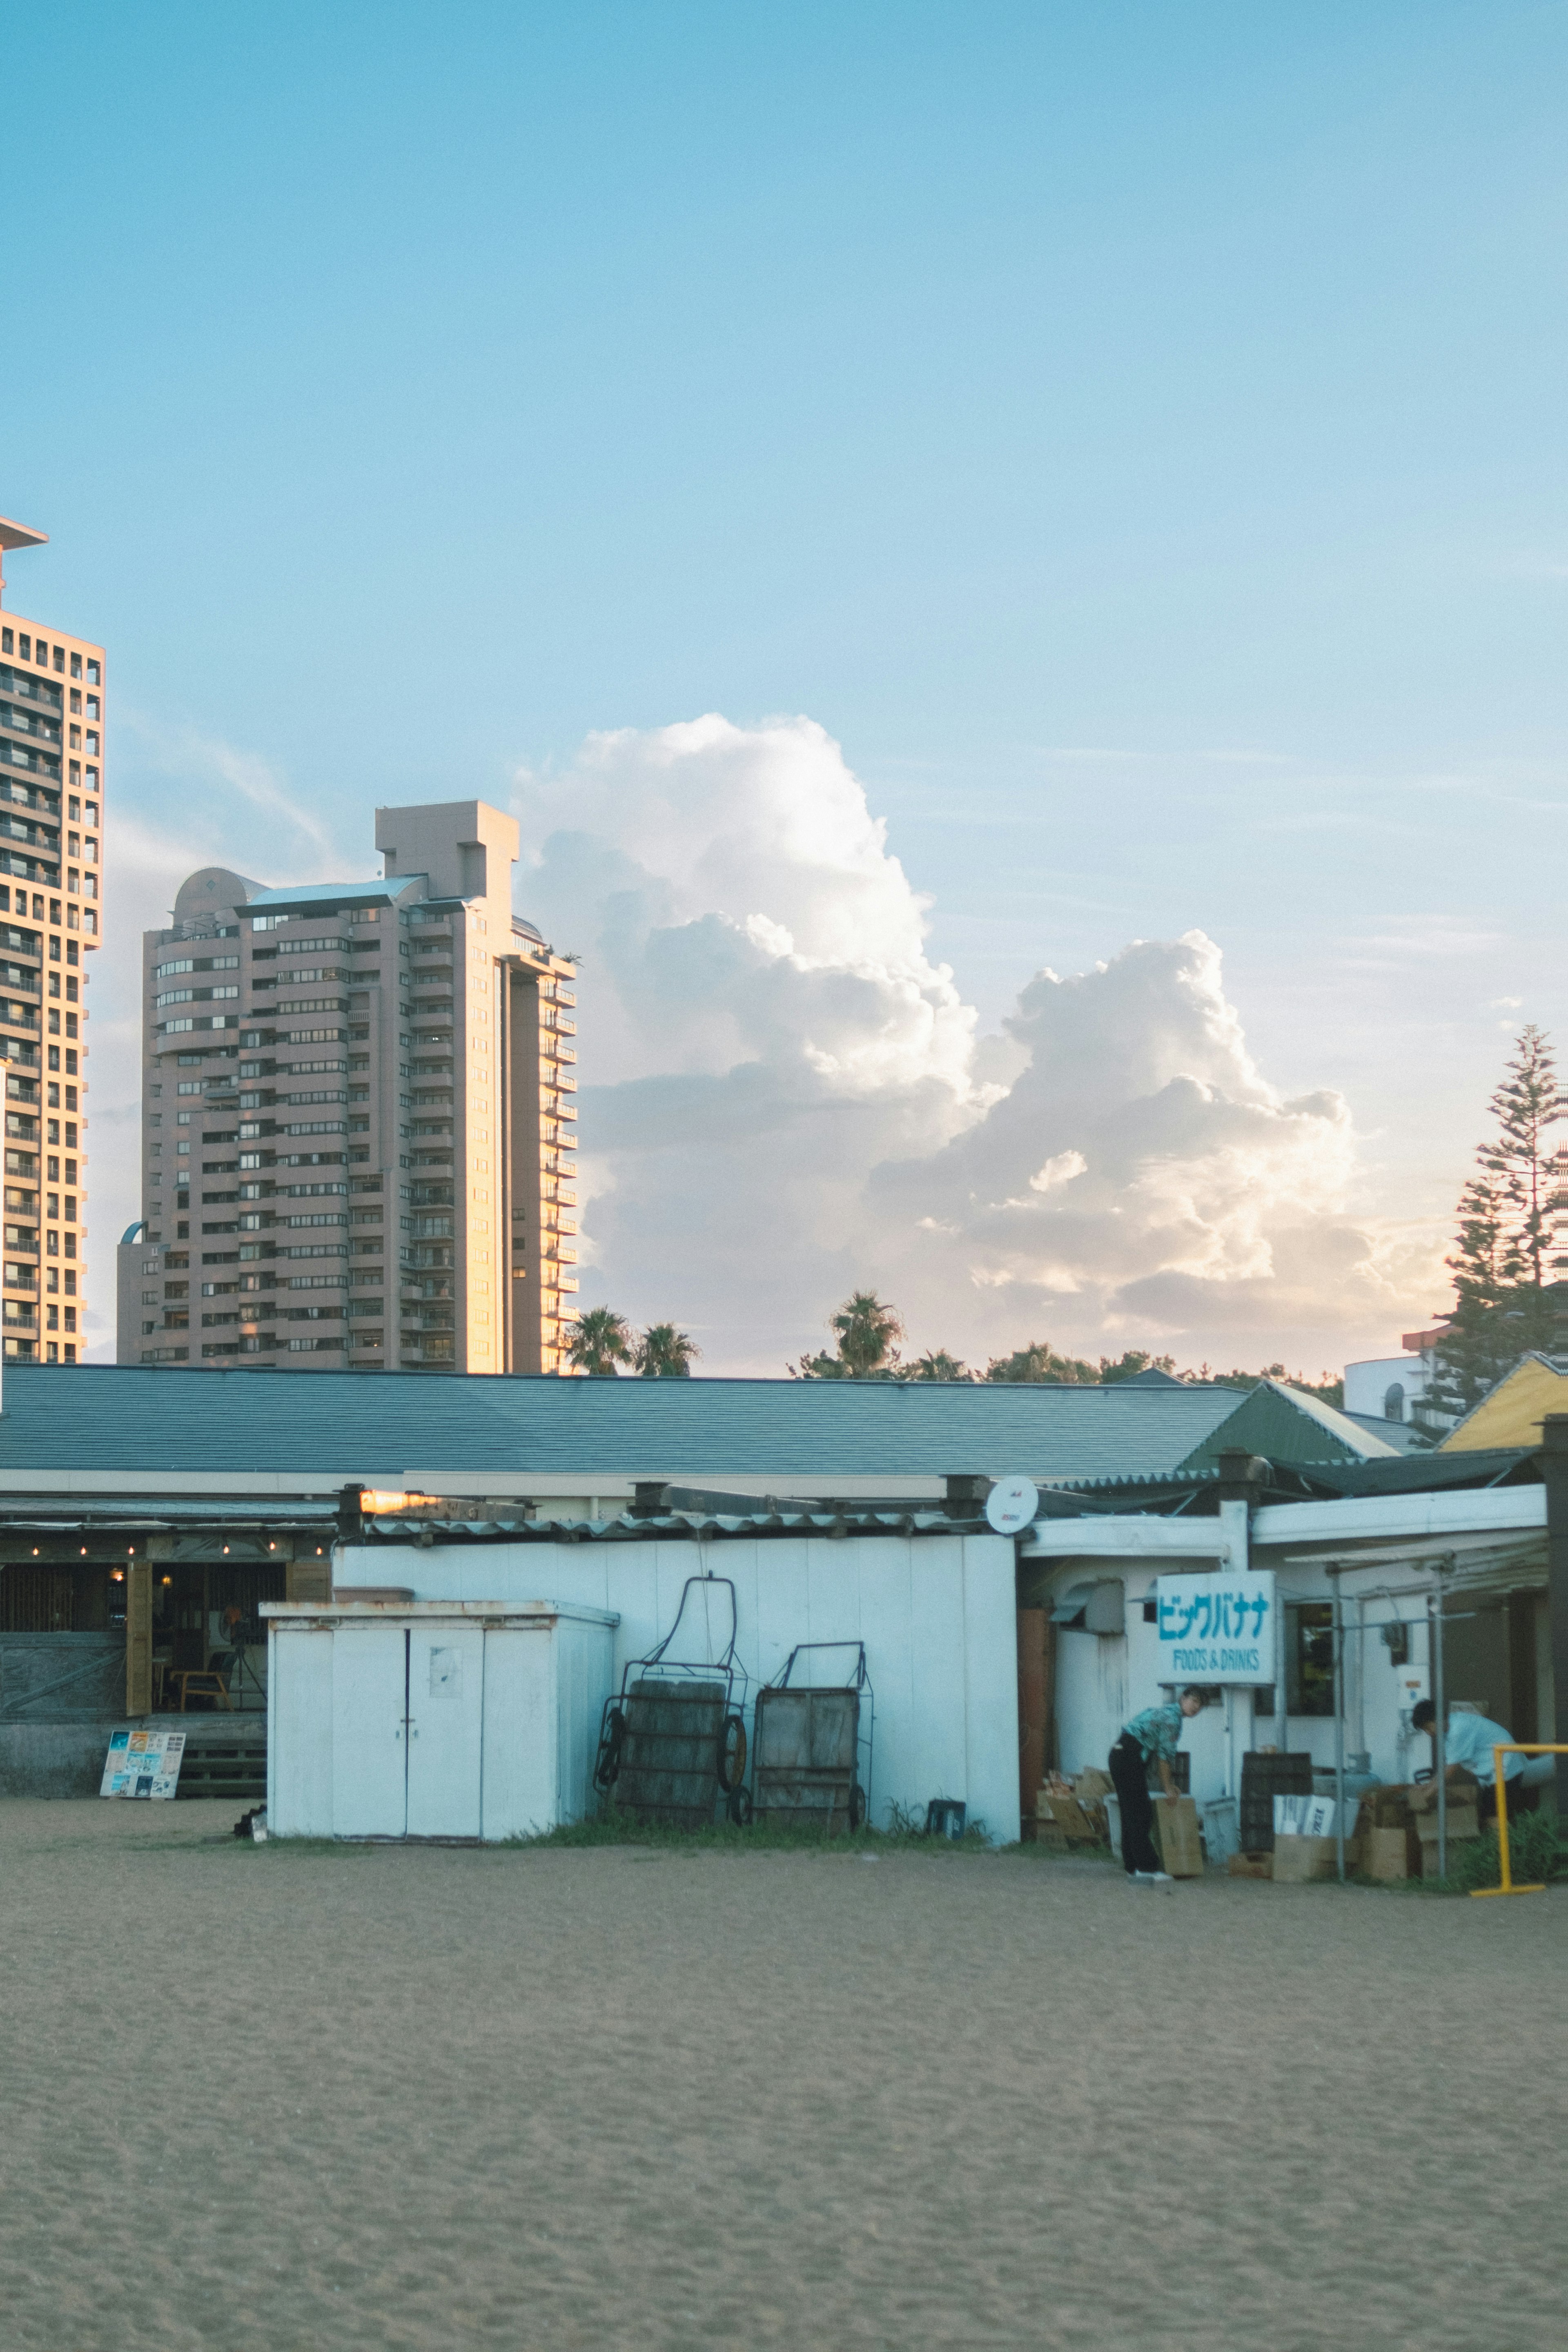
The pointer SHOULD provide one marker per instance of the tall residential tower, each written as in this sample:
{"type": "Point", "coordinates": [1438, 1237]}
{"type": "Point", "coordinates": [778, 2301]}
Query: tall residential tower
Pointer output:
{"type": "Point", "coordinates": [51, 834]}
{"type": "Point", "coordinates": [357, 1118]}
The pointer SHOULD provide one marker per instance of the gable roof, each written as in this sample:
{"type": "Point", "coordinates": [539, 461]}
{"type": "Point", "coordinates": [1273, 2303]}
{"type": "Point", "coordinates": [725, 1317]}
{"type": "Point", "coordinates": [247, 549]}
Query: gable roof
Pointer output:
{"type": "Point", "coordinates": [1278, 1421]}
{"type": "Point", "coordinates": [354, 1425]}
{"type": "Point", "coordinates": [1510, 1414]}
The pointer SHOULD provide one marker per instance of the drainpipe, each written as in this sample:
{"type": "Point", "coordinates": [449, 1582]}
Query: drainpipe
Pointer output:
{"type": "Point", "coordinates": [1555, 1468]}
{"type": "Point", "coordinates": [1242, 1486]}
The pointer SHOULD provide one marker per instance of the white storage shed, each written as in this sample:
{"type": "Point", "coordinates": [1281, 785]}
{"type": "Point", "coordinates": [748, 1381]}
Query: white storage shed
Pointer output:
{"type": "Point", "coordinates": [935, 1610]}
{"type": "Point", "coordinates": [393, 1717]}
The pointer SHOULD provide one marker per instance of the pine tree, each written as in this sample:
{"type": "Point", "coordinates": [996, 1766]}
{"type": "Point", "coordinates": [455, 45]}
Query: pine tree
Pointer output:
{"type": "Point", "coordinates": [1507, 1295]}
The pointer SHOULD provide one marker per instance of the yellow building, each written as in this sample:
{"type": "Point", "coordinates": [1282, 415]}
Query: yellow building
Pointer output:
{"type": "Point", "coordinates": [51, 834]}
{"type": "Point", "coordinates": [1512, 1413]}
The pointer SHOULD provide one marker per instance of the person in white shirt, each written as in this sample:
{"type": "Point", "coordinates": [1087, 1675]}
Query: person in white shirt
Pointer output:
{"type": "Point", "coordinates": [1467, 1747]}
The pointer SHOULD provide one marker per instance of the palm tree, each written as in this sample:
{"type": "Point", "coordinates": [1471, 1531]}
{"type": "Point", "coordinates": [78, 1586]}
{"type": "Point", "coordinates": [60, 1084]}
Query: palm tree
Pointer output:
{"type": "Point", "coordinates": [936, 1364]}
{"type": "Point", "coordinates": [599, 1340]}
{"type": "Point", "coordinates": [867, 1329]}
{"type": "Point", "coordinates": [663, 1353]}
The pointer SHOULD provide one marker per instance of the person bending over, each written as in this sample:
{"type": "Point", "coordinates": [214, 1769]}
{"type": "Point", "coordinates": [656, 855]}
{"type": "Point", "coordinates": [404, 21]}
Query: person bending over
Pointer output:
{"type": "Point", "coordinates": [1467, 1747]}
{"type": "Point", "coordinates": [1152, 1736]}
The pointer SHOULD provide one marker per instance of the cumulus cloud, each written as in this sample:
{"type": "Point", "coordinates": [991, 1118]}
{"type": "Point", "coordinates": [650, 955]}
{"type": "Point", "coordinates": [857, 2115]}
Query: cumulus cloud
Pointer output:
{"type": "Point", "coordinates": [784, 1097]}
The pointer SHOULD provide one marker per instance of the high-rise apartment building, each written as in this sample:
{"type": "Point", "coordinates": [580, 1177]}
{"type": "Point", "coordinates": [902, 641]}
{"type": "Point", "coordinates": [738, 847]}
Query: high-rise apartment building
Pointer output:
{"type": "Point", "coordinates": [51, 866]}
{"type": "Point", "coordinates": [357, 1123]}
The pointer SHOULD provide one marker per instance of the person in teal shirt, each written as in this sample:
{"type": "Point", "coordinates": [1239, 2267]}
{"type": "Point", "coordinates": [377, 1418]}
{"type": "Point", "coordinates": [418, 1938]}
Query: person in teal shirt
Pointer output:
{"type": "Point", "coordinates": [1467, 1746]}
{"type": "Point", "coordinates": [1151, 1737]}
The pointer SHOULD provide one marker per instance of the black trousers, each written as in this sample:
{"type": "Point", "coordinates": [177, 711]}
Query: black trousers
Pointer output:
{"type": "Point", "coordinates": [1130, 1772]}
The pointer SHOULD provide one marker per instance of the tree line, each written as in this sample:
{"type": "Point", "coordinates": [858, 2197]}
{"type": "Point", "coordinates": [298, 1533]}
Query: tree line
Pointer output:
{"type": "Point", "coordinates": [867, 1332]}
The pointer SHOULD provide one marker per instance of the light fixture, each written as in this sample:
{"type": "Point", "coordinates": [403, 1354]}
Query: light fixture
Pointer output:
{"type": "Point", "coordinates": [117, 1576]}
{"type": "Point", "coordinates": [168, 1580]}
{"type": "Point", "coordinates": [226, 1551]}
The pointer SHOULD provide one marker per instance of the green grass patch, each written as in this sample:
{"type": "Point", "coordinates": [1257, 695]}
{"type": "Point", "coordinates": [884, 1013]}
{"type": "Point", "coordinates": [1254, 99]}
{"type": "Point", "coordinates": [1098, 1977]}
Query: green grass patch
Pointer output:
{"type": "Point", "coordinates": [614, 1829]}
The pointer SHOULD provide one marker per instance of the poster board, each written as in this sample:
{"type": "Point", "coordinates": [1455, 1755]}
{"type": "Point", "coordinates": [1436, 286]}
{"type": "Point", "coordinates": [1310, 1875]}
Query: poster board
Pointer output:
{"type": "Point", "coordinates": [1217, 1629]}
{"type": "Point", "coordinates": [142, 1764]}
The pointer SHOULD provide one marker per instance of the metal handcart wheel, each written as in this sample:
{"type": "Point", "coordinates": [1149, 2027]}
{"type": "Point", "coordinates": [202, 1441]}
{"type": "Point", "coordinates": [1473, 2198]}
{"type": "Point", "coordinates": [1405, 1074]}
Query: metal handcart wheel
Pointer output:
{"type": "Point", "coordinates": [732, 1753]}
{"type": "Point", "coordinates": [607, 1764]}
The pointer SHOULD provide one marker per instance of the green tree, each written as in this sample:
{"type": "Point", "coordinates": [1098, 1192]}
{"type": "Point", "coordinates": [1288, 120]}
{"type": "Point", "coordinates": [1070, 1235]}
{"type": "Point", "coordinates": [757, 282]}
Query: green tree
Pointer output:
{"type": "Point", "coordinates": [936, 1364]}
{"type": "Point", "coordinates": [598, 1342]}
{"type": "Point", "coordinates": [868, 1329]}
{"type": "Point", "coordinates": [663, 1353]}
{"type": "Point", "coordinates": [1038, 1362]}
{"type": "Point", "coordinates": [1127, 1366]}
{"type": "Point", "coordinates": [1508, 1256]}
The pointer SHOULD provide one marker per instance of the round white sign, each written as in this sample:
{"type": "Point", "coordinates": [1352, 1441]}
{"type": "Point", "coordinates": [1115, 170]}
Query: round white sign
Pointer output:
{"type": "Point", "coordinates": [1011, 1506]}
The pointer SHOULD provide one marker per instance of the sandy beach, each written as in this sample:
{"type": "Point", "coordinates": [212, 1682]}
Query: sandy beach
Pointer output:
{"type": "Point", "coordinates": [267, 2097]}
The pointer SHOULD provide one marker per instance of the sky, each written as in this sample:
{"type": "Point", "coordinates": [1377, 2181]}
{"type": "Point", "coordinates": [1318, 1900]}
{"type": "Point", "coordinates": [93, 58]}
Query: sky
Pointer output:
{"type": "Point", "coordinates": [1011, 561]}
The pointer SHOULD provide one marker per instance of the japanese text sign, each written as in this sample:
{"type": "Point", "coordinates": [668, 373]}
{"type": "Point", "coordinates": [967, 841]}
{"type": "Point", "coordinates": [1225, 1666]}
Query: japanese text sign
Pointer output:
{"type": "Point", "coordinates": [1216, 1629]}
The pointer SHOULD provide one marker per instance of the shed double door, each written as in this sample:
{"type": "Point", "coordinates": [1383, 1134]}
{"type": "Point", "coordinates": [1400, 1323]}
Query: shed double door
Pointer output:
{"type": "Point", "coordinates": [407, 1730]}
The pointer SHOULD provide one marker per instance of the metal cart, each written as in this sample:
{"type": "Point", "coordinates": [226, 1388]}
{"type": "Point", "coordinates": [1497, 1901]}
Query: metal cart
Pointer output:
{"type": "Point", "coordinates": [812, 1745]}
{"type": "Point", "coordinates": [672, 1742]}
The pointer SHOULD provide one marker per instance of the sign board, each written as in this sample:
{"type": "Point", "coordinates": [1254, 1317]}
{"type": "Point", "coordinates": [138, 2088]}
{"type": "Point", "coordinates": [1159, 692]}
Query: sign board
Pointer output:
{"type": "Point", "coordinates": [1010, 1504]}
{"type": "Point", "coordinates": [1217, 1629]}
{"type": "Point", "coordinates": [142, 1764]}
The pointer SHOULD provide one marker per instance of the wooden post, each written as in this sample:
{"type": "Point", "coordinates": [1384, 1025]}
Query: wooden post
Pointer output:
{"type": "Point", "coordinates": [1554, 1471]}
{"type": "Point", "coordinates": [139, 1637]}
{"type": "Point", "coordinates": [1034, 1707]}
{"type": "Point", "coordinates": [309, 1579]}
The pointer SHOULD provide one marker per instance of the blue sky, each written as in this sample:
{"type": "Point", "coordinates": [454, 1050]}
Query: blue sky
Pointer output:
{"type": "Point", "coordinates": [1134, 433]}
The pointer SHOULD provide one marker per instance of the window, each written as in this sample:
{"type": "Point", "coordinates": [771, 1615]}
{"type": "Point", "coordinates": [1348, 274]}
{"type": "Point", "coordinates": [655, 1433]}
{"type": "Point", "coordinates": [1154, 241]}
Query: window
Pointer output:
{"type": "Point", "coordinates": [76, 672]}
{"type": "Point", "coordinates": [93, 678]}
{"type": "Point", "coordinates": [1308, 1662]}
{"type": "Point", "coordinates": [1394, 1400]}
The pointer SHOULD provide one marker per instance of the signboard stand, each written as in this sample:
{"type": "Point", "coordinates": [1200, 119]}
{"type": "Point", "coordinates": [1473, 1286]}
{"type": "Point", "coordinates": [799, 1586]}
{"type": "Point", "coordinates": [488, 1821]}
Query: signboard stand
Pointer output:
{"type": "Point", "coordinates": [142, 1764]}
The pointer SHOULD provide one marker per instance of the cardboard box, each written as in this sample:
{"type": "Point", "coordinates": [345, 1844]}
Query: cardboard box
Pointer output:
{"type": "Point", "coordinates": [1091, 1783]}
{"type": "Point", "coordinates": [1464, 1828]}
{"type": "Point", "coordinates": [1298, 1858]}
{"type": "Point", "coordinates": [1464, 1822]}
{"type": "Point", "coordinates": [1389, 1807]}
{"type": "Point", "coordinates": [1083, 1822]}
{"type": "Point", "coordinates": [1251, 1865]}
{"type": "Point", "coordinates": [1392, 1854]}
{"type": "Point", "coordinates": [1176, 1834]}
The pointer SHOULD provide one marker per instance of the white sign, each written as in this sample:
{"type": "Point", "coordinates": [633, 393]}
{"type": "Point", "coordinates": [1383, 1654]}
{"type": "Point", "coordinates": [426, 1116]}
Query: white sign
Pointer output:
{"type": "Point", "coordinates": [1217, 1629]}
{"type": "Point", "coordinates": [142, 1764]}
{"type": "Point", "coordinates": [1010, 1504]}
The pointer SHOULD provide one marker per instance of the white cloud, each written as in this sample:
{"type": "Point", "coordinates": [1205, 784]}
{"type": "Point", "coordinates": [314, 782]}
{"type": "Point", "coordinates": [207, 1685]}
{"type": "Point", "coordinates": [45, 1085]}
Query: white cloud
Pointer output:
{"type": "Point", "coordinates": [783, 1097]}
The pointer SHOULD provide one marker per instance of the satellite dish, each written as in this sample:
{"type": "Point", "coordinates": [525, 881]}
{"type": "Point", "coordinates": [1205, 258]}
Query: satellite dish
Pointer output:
{"type": "Point", "coordinates": [1010, 1504]}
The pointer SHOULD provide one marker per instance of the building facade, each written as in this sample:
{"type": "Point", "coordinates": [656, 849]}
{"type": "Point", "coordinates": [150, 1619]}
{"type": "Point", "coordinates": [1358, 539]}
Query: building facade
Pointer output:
{"type": "Point", "coordinates": [52, 700]}
{"type": "Point", "coordinates": [358, 1123]}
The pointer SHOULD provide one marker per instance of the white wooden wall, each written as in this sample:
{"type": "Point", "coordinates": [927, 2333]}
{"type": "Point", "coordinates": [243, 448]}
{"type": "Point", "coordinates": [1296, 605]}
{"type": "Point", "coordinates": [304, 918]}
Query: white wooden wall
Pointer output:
{"type": "Point", "coordinates": [937, 1614]}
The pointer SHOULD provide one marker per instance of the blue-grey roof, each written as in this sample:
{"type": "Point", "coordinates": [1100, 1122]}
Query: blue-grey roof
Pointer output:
{"type": "Point", "coordinates": [309, 896]}
{"type": "Point", "coordinates": [352, 1424]}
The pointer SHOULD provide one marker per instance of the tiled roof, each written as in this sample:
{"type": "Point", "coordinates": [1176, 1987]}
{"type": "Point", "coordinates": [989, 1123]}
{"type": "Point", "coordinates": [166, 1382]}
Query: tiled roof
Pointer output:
{"type": "Point", "coordinates": [347, 1425]}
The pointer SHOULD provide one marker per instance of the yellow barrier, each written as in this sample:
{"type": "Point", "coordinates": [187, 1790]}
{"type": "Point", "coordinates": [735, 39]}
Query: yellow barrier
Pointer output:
{"type": "Point", "coordinates": [1515, 1747]}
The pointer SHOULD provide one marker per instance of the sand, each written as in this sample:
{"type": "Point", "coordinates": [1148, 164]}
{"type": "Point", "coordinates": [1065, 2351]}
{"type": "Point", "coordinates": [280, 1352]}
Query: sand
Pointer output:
{"type": "Point", "coordinates": [268, 2097]}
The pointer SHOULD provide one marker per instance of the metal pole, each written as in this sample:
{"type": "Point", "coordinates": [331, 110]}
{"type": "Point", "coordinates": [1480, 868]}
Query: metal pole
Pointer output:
{"type": "Point", "coordinates": [1339, 1725]}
